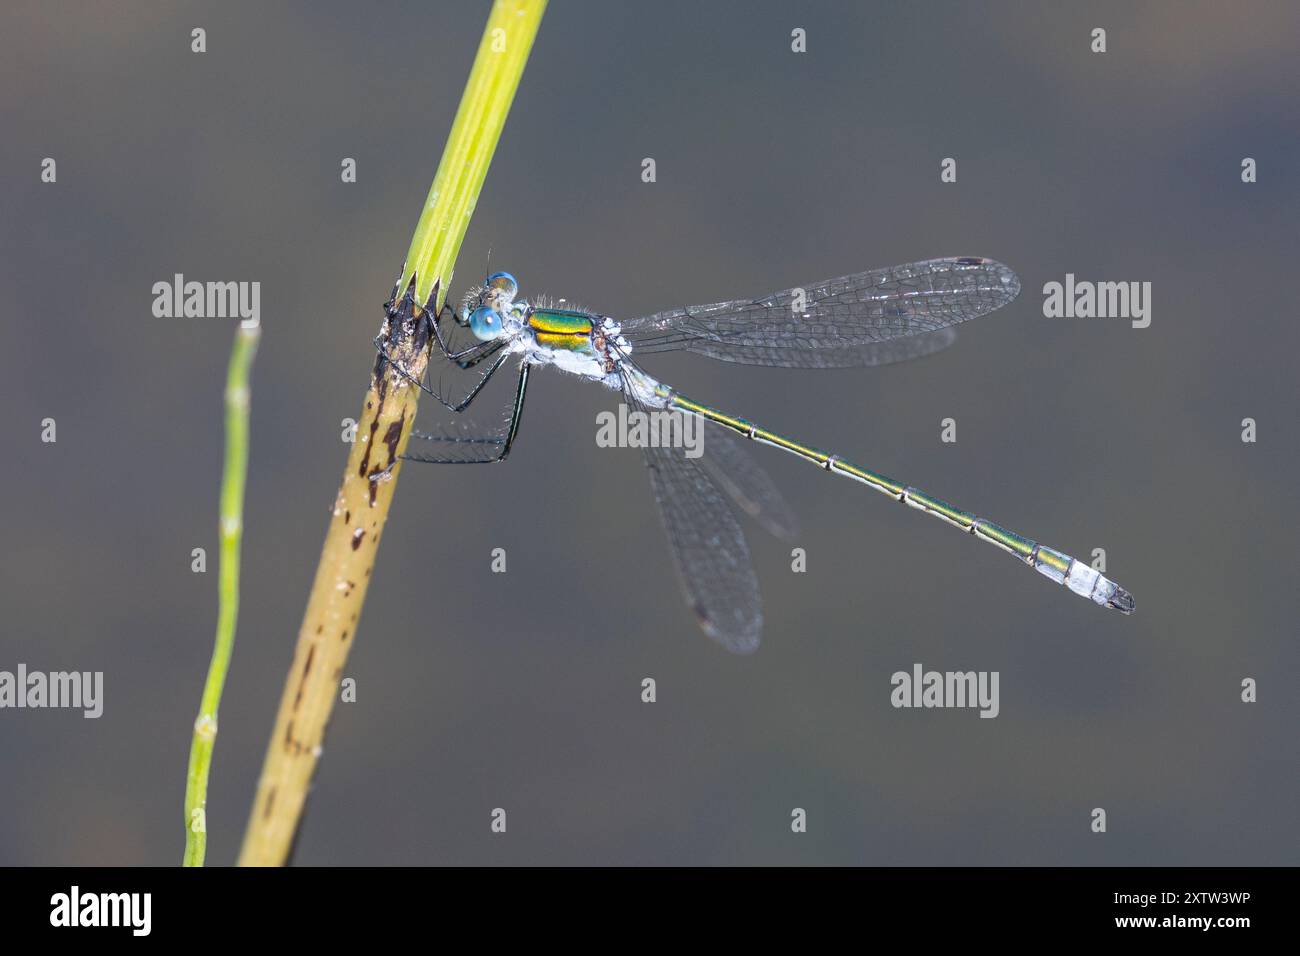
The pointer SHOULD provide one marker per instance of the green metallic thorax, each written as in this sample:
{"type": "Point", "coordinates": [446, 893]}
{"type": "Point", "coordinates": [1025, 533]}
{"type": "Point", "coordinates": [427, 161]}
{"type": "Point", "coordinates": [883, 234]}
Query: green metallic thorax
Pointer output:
{"type": "Point", "coordinates": [561, 329]}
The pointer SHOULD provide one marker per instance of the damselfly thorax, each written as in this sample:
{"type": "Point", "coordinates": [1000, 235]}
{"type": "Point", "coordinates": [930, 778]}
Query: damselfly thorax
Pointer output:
{"type": "Point", "coordinates": [574, 341]}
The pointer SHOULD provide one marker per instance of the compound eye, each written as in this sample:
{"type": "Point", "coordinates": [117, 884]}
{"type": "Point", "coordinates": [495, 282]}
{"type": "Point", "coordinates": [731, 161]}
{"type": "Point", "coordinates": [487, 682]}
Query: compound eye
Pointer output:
{"type": "Point", "coordinates": [504, 283]}
{"type": "Point", "coordinates": [485, 323]}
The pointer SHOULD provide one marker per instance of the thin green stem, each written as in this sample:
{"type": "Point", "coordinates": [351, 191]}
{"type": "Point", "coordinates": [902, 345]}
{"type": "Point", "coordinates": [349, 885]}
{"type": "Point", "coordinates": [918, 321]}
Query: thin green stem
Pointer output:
{"type": "Point", "coordinates": [231, 530]}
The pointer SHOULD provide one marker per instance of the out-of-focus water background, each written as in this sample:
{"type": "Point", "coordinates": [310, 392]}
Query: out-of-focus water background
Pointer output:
{"type": "Point", "coordinates": [522, 690]}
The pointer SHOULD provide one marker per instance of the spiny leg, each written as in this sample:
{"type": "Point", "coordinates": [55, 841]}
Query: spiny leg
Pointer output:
{"type": "Point", "coordinates": [478, 387]}
{"type": "Point", "coordinates": [491, 349]}
{"type": "Point", "coordinates": [478, 352]}
{"type": "Point", "coordinates": [500, 441]}
{"type": "Point", "coordinates": [473, 351]}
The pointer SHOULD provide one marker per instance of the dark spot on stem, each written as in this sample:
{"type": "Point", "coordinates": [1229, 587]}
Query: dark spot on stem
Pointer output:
{"type": "Point", "coordinates": [302, 683]}
{"type": "Point", "coordinates": [357, 536]}
{"type": "Point", "coordinates": [364, 470]}
{"type": "Point", "coordinates": [392, 435]}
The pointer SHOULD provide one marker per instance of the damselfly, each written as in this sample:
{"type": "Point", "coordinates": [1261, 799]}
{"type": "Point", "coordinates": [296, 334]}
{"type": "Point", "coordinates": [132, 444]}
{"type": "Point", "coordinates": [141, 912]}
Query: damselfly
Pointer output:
{"type": "Point", "coordinates": [870, 318]}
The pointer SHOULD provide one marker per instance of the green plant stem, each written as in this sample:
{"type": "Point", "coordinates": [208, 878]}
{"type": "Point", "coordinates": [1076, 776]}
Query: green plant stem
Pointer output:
{"type": "Point", "coordinates": [502, 54]}
{"type": "Point", "coordinates": [231, 531]}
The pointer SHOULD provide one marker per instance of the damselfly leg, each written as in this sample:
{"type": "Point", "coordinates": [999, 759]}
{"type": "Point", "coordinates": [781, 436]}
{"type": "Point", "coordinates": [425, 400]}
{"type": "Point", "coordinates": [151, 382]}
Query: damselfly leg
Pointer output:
{"type": "Point", "coordinates": [470, 449]}
{"type": "Point", "coordinates": [464, 359]}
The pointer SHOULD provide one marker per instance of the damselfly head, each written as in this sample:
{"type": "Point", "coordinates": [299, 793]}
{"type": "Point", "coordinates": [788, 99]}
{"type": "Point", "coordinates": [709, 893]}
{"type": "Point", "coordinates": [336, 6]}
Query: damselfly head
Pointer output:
{"type": "Point", "coordinates": [490, 304]}
{"type": "Point", "coordinates": [503, 284]}
{"type": "Point", "coordinates": [497, 290]}
{"type": "Point", "coordinates": [486, 323]}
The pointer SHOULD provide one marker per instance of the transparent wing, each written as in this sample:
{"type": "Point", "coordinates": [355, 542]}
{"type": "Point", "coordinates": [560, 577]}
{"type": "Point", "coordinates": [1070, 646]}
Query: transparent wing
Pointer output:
{"type": "Point", "coordinates": [730, 465]}
{"type": "Point", "coordinates": [914, 345]}
{"type": "Point", "coordinates": [860, 319]}
{"type": "Point", "coordinates": [708, 548]}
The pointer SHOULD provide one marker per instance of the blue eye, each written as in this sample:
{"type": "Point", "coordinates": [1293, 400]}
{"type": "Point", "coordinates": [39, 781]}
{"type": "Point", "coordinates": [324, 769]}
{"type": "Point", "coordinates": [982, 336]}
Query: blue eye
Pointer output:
{"type": "Point", "coordinates": [485, 323]}
{"type": "Point", "coordinates": [504, 283]}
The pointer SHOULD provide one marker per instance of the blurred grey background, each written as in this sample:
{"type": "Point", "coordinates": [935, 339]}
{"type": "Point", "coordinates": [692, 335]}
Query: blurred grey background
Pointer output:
{"type": "Point", "coordinates": [774, 169]}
